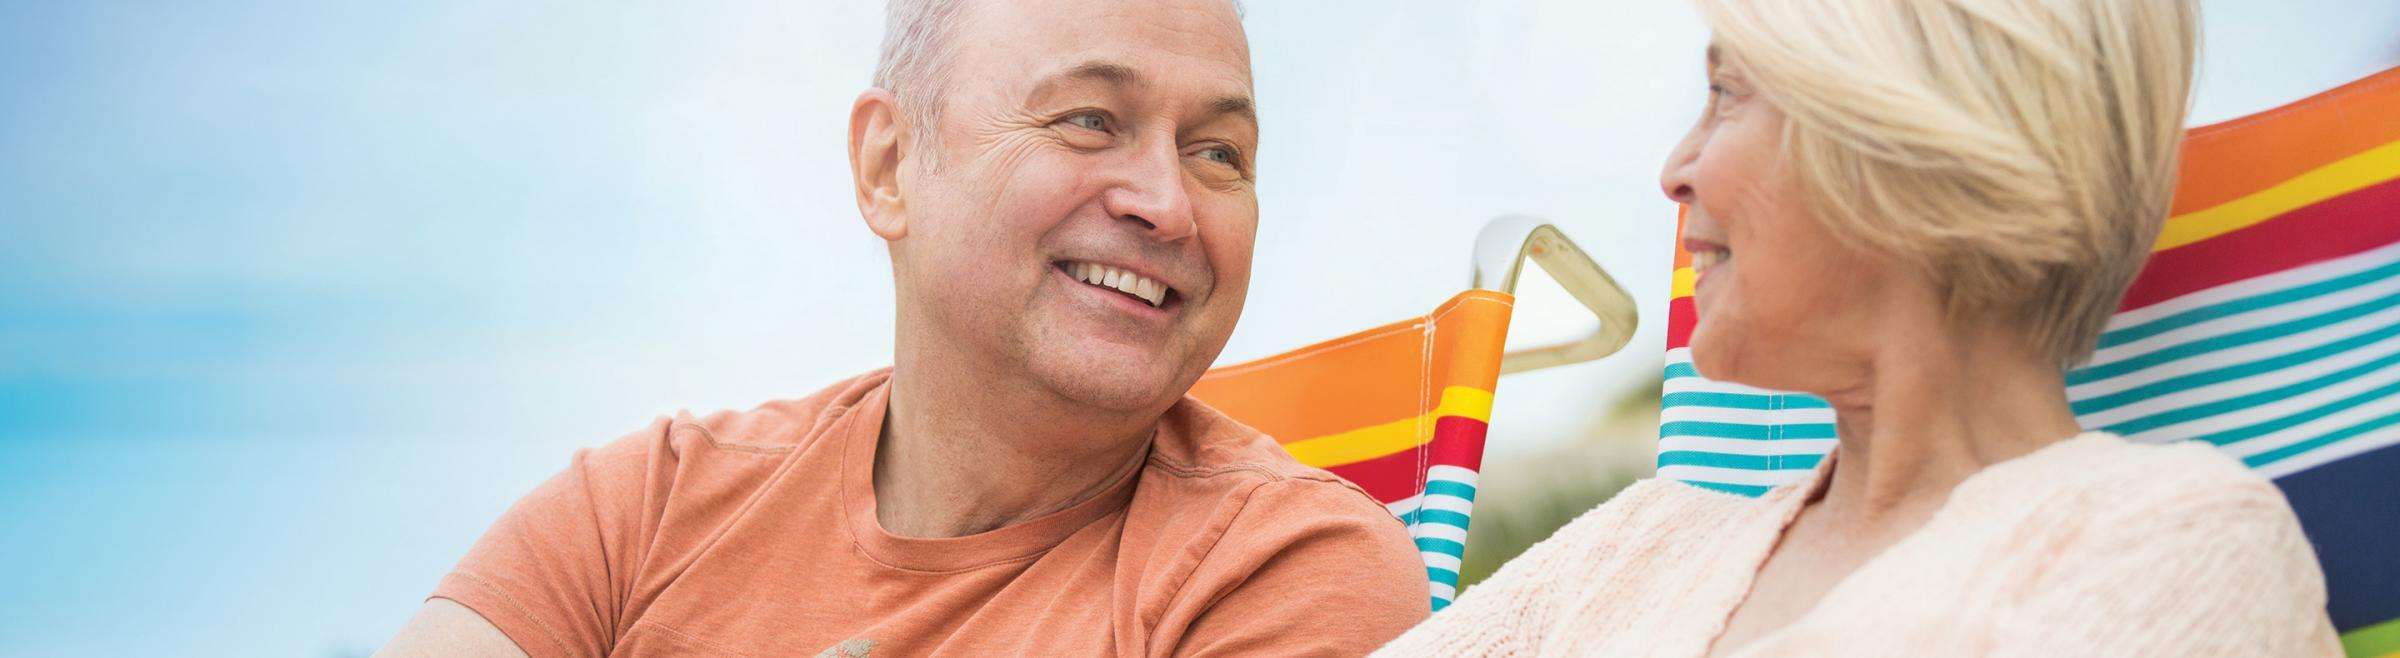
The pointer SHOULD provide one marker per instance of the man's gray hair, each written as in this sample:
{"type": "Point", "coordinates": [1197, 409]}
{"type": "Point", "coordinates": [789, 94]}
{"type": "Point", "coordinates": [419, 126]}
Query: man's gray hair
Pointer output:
{"type": "Point", "coordinates": [916, 57]}
{"type": "Point", "coordinates": [916, 35]}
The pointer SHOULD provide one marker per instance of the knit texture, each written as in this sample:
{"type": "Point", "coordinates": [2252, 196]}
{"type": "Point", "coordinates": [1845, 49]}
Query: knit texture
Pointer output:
{"type": "Point", "coordinates": [2091, 546]}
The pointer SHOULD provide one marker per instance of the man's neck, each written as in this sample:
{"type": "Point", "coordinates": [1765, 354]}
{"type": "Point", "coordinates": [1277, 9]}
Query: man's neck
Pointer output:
{"type": "Point", "coordinates": [960, 455]}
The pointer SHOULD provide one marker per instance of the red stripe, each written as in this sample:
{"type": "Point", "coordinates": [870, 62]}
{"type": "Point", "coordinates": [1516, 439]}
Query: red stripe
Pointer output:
{"type": "Point", "coordinates": [1457, 441]}
{"type": "Point", "coordinates": [1680, 318]}
{"type": "Point", "coordinates": [2361, 220]}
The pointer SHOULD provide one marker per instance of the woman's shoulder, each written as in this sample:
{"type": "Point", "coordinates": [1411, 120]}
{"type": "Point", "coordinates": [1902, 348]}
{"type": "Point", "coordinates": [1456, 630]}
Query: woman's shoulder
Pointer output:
{"type": "Point", "coordinates": [2098, 469]}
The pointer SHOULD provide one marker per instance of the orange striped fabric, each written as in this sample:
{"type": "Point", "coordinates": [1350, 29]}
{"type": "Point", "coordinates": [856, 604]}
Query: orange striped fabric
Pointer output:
{"type": "Point", "coordinates": [1401, 410]}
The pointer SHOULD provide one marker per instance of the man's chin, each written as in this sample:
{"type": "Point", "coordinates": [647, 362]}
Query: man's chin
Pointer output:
{"type": "Point", "coordinates": [1116, 387]}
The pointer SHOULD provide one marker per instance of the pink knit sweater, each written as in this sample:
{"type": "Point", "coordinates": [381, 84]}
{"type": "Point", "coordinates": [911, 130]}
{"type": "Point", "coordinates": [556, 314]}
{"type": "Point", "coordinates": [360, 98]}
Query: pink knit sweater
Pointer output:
{"type": "Point", "coordinates": [2088, 547]}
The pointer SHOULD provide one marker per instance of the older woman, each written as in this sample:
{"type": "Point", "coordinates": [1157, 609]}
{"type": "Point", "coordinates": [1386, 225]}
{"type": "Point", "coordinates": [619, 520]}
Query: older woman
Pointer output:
{"type": "Point", "coordinates": [1924, 211]}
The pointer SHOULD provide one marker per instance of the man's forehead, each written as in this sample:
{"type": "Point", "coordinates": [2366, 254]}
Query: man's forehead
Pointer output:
{"type": "Point", "coordinates": [1177, 40]}
{"type": "Point", "coordinates": [1227, 98]}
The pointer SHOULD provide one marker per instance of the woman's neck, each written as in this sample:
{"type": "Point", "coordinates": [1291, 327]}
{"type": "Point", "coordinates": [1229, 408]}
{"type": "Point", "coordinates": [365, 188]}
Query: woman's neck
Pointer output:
{"type": "Point", "coordinates": [1935, 408]}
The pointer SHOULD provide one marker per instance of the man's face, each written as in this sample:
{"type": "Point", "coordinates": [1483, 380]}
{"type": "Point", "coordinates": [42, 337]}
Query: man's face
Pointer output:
{"type": "Point", "coordinates": [1090, 219]}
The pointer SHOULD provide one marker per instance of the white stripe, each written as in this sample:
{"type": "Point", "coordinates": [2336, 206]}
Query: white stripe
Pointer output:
{"type": "Point", "coordinates": [2249, 320]}
{"type": "Point", "coordinates": [1448, 504]}
{"type": "Point", "coordinates": [1708, 414]}
{"type": "Point", "coordinates": [1438, 531]}
{"type": "Point", "coordinates": [2255, 414]}
{"type": "Point", "coordinates": [1444, 592]}
{"type": "Point", "coordinates": [1448, 473]}
{"type": "Point", "coordinates": [2303, 275]}
{"type": "Point", "coordinates": [1404, 505]}
{"type": "Point", "coordinates": [2309, 430]}
{"type": "Point", "coordinates": [1440, 560]}
{"type": "Point", "coordinates": [1691, 473]}
{"type": "Point", "coordinates": [1722, 446]}
{"type": "Point", "coordinates": [2276, 346]}
{"type": "Point", "coordinates": [2228, 389]}
{"type": "Point", "coordinates": [2328, 454]}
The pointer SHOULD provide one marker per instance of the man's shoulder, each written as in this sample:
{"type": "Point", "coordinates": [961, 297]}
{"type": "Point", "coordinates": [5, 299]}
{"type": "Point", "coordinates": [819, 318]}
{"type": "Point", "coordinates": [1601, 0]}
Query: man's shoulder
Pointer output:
{"type": "Point", "coordinates": [775, 426]}
{"type": "Point", "coordinates": [1207, 470]}
{"type": "Point", "coordinates": [1197, 443]}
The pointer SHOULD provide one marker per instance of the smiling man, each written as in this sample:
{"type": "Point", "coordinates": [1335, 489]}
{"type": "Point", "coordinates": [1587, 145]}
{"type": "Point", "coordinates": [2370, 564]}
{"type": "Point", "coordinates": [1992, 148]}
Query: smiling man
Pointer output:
{"type": "Point", "coordinates": [1066, 189]}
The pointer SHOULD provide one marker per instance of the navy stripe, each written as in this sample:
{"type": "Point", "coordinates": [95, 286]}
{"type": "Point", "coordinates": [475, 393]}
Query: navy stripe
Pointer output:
{"type": "Point", "coordinates": [1746, 430]}
{"type": "Point", "coordinates": [2230, 341]}
{"type": "Point", "coordinates": [2247, 304]}
{"type": "Point", "coordinates": [1743, 462]}
{"type": "Point", "coordinates": [2231, 372]}
{"type": "Point", "coordinates": [2345, 508]}
{"type": "Point", "coordinates": [1767, 402]}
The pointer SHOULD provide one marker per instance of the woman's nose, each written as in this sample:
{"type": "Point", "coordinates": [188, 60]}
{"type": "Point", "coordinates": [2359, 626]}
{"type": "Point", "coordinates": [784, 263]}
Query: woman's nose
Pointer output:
{"type": "Point", "coordinates": [1675, 178]}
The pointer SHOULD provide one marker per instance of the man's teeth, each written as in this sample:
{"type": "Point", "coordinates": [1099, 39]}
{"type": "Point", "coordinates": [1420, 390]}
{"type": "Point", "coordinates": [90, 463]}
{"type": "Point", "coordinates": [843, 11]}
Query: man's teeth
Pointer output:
{"type": "Point", "coordinates": [1703, 260]}
{"type": "Point", "coordinates": [1126, 282]}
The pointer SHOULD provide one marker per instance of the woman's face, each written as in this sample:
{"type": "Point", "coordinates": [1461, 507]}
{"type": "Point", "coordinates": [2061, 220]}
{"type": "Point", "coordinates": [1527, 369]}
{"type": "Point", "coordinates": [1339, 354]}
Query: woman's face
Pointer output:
{"type": "Point", "coordinates": [1782, 303]}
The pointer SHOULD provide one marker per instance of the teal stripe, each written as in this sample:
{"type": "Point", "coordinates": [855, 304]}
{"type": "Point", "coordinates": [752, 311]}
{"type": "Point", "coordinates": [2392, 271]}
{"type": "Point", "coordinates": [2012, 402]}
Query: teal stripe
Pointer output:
{"type": "Point", "coordinates": [1442, 546]}
{"type": "Point", "coordinates": [2231, 340]}
{"type": "Point", "coordinates": [2231, 372]}
{"type": "Point", "coordinates": [2231, 436]}
{"type": "Point", "coordinates": [1743, 462]}
{"type": "Point", "coordinates": [2247, 304]}
{"type": "Point", "coordinates": [1443, 576]}
{"type": "Point", "coordinates": [2330, 438]}
{"type": "Point", "coordinates": [1439, 603]}
{"type": "Point", "coordinates": [1448, 488]}
{"type": "Point", "coordinates": [1439, 516]}
{"type": "Point", "coordinates": [1753, 401]}
{"type": "Point", "coordinates": [1746, 430]}
{"type": "Point", "coordinates": [2248, 400]}
{"type": "Point", "coordinates": [1751, 490]}
{"type": "Point", "coordinates": [1681, 370]}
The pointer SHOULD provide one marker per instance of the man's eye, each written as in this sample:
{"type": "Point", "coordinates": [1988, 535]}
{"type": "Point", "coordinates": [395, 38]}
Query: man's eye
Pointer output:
{"type": "Point", "coordinates": [1089, 121]}
{"type": "Point", "coordinates": [1219, 154]}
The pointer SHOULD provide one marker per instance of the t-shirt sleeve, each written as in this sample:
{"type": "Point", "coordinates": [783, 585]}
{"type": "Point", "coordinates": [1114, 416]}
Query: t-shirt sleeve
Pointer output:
{"type": "Point", "coordinates": [1308, 568]}
{"type": "Point", "coordinates": [553, 573]}
{"type": "Point", "coordinates": [2224, 573]}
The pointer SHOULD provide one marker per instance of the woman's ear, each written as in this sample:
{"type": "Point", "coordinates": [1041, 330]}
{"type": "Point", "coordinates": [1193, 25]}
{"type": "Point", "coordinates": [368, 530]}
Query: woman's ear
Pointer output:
{"type": "Point", "coordinates": [877, 146]}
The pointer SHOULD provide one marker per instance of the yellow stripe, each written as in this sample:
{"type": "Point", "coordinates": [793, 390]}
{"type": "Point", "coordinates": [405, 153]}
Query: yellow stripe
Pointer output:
{"type": "Point", "coordinates": [1378, 440]}
{"type": "Point", "coordinates": [2344, 176]}
{"type": "Point", "coordinates": [1684, 280]}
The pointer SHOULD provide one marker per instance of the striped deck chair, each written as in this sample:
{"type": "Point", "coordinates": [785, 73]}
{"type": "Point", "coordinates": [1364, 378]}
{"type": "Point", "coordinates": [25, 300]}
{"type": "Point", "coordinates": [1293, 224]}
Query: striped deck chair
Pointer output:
{"type": "Point", "coordinates": [2267, 323]}
{"type": "Point", "coordinates": [1401, 409]}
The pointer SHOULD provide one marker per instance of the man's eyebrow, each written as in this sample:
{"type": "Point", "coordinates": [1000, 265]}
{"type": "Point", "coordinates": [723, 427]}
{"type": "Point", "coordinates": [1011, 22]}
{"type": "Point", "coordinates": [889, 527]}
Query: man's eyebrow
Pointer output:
{"type": "Point", "coordinates": [1713, 57]}
{"type": "Point", "coordinates": [1239, 106]}
{"type": "Point", "coordinates": [1114, 74]}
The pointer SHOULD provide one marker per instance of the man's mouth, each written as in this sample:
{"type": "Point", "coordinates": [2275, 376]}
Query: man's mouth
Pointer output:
{"type": "Point", "coordinates": [1145, 289]}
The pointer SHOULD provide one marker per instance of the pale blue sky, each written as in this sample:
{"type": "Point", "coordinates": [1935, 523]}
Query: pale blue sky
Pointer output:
{"type": "Point", "coordinates": [296, 296]}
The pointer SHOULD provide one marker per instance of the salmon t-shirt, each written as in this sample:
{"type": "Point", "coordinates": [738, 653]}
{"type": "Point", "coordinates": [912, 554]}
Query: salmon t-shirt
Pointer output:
{"type": "Point", "coordinates": [754, 533]}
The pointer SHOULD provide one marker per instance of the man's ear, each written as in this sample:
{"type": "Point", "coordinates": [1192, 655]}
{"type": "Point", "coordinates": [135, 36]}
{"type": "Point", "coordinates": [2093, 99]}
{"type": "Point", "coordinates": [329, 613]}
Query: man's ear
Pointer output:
{"type": "Point", "coordinates": [877, 146]}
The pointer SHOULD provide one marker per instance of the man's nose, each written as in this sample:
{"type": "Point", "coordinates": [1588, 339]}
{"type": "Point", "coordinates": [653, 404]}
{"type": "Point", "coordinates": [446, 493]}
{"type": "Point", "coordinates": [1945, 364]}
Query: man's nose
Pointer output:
{"type": "Point", "coordinates": [1150, 193]}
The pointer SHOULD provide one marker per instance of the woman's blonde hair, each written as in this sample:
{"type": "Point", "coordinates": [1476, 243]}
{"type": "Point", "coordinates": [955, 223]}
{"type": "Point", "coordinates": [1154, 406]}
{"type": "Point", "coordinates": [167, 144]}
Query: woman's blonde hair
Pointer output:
{"type": "Point", "coordinates": [2021, 152]}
